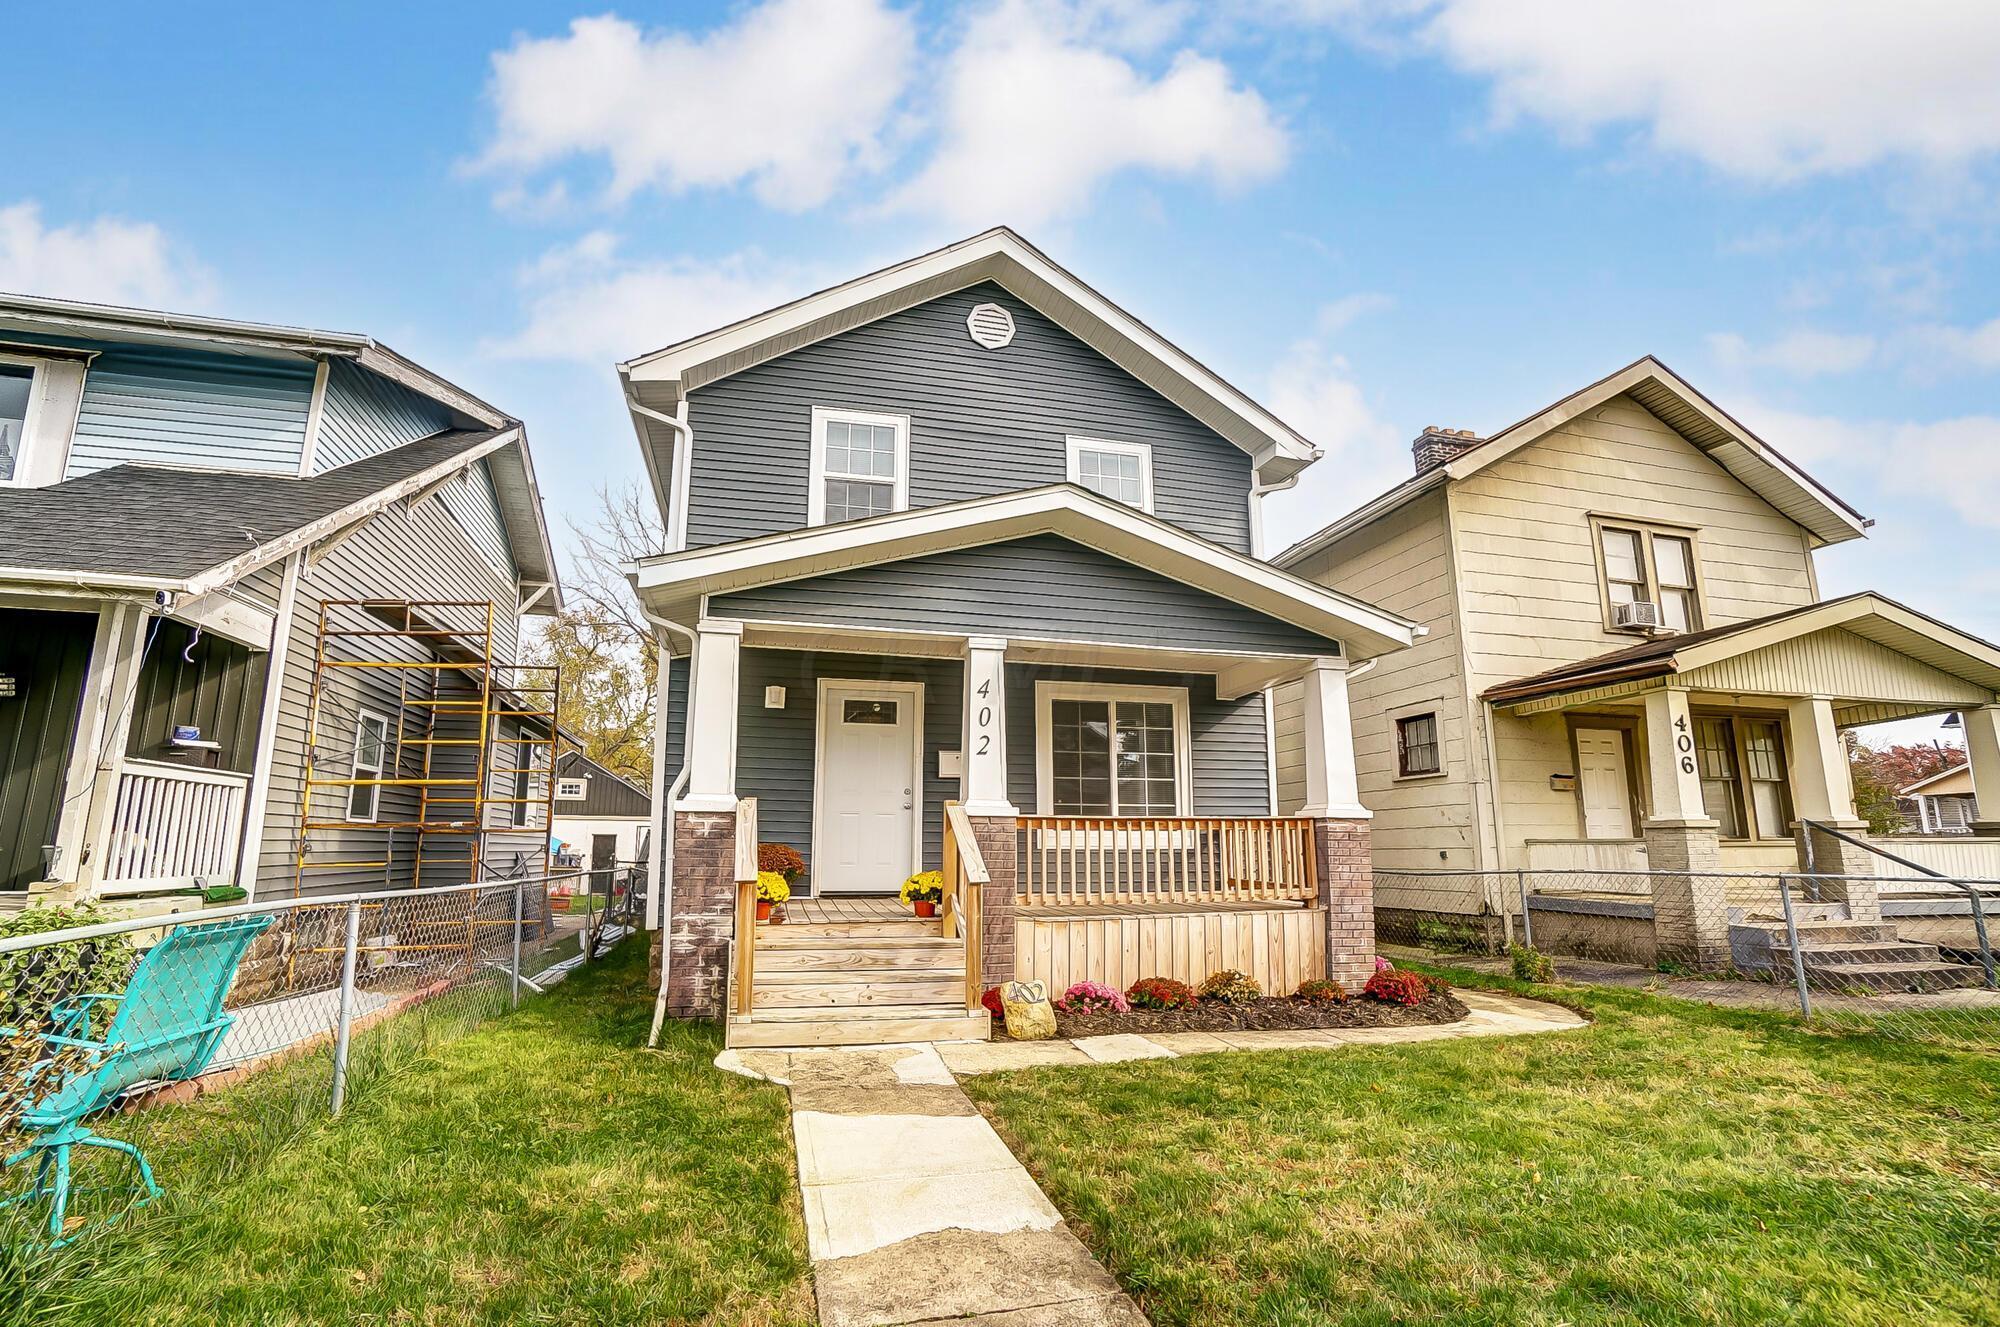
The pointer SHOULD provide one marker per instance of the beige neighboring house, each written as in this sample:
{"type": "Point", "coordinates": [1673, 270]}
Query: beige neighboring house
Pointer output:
{"type": "Point", "coordinates": [1628, 663]}
{"type": "Point", "coordinates": [1945, 802]}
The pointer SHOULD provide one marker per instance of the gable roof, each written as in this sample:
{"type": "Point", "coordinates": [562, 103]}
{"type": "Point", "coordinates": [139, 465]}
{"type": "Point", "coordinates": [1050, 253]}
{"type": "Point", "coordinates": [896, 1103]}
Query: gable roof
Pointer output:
{"type": "Point", "coordinates": [1961, 772]}
{"type": "Point", "coordinates": [607, 794]}
{"type": "Point", "coordinates": [658, 382]}
{"type": "Point", "coordinates": [189, 531]}
{"type": "Point", "coordinates": [1759, 466]}
{"type": "Point", "coordinates": [1865, 614]}
{"type": "Point", "coordinates": [673, 583]}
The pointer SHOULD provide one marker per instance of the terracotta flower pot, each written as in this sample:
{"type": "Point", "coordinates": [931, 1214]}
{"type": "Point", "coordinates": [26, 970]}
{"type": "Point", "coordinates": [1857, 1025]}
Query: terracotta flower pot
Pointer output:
{"type": "Point", "coordinates": [763, 910]}
{"type": "Point", "coordinates": [925, 907]}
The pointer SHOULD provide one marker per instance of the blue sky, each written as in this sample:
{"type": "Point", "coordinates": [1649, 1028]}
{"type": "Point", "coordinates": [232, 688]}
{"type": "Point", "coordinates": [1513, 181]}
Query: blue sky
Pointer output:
{"type": "Point", "coordinates": [1374, 216]}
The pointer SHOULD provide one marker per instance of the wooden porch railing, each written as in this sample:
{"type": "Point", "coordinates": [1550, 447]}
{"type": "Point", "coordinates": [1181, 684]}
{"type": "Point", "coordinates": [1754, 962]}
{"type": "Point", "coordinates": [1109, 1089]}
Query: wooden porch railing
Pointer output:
{"type": "Point", "coordinates": [965, 878]}
{"type": "Point", "coordinates": [1075, 861]}
{"type": "Point", "coordinates": [746, 902]}
{"type": "Point", "coordinates": [170, 824]}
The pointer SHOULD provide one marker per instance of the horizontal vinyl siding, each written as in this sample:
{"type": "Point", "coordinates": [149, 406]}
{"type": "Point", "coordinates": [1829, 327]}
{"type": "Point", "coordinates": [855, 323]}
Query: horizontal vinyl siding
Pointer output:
{"type": "Point", "coordinates": [982, 422]}
{"type": "Point", "coordinates": [1043, 586]}
{"type": "Point", "coordinates": [364, 414]}
{"type": "Point", "coordinates": [472, 502]}
{"type": "Point", "coordinates": [1231, 775]}
{"type": "Point", "coordinates": [192, 409]}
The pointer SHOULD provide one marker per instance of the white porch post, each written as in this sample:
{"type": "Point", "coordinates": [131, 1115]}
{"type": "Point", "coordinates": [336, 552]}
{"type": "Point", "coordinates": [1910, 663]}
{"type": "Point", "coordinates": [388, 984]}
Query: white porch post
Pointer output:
{"type": "Point", "coordinates": [1332, 790]}
{"type": "Point", "coordinates": [711, 717]}
{"type": "Point", "coordinates": [1671, 760]}
{"type": "Point", "coordinates": [1822, 787]}
{"type": "Point", "coordinates": [250, 856]}
{"type": "Point", "coordinates": [1982, 748]}
{"type": "Point", "coordinates": [983, 734]}
{"type": "Point", "coordinates": [1690, 897]}
{"type": "Point", "coordinates": [129, 631]}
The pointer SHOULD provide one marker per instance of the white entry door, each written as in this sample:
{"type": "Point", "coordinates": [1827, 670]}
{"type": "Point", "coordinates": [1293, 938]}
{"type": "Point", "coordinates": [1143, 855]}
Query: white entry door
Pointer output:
{"type": "Point", "coordinates": [1605, 781]}
{"type": "Point", "coordinates": [868, 787]}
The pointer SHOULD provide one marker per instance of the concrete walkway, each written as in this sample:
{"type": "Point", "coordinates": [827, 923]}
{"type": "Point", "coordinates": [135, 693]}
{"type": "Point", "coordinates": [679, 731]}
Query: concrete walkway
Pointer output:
{"type": "Point", "coordinates": [916, 1212]}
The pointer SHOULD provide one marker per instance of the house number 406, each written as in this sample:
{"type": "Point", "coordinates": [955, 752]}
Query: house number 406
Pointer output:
{"type": "Point", "coordinates": [1685, 744]}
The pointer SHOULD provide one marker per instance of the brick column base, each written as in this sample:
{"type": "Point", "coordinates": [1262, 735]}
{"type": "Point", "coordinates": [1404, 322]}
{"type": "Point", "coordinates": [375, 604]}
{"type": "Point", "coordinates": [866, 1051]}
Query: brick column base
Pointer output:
{"type": "Point", "coordinates": [997, 839]}
{"type": "Point", "coordinates": [1347, 892]}
{"type": "Point", "coordinates": [702, 891]}
{"type": "Point", "coordinates": [1842, 872]}
{"type": "Point", "coordinates": [1690, 897]}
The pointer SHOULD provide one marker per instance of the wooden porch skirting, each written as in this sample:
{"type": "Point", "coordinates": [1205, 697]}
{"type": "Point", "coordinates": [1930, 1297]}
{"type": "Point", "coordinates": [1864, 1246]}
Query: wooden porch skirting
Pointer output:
{"type": "Point", "coordinates": [1279, 944]}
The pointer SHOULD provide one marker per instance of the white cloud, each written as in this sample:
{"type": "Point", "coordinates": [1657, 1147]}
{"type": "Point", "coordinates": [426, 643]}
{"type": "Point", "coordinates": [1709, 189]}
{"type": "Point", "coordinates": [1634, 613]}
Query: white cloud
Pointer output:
{"type": "Point", "coordinates": [1034, 115]}
{"type": "Point", "coordinates": [1804, 353]}
{"type": "Point", "coordinates": [791, 98]}
{"type": "Point", "coordinates": [1976, 347]}
{"type": "Point", "coordinates": [1314, 390]}
{"type": "Point", "coordinates": [1948, 463]}
{"type": "Point", "coordinates": [107, 260]}
{"type": "Point", "coordinates": [586, 302]}
{"type": "Point", "coordinates": [1770, 91]}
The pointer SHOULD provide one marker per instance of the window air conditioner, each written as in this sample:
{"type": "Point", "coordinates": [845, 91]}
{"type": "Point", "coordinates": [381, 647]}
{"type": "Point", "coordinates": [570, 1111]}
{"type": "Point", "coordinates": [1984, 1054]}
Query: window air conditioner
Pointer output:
{"type": "Point", "coordinates": [1639, 615]}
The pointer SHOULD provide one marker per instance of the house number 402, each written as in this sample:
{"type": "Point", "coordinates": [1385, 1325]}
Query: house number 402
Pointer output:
{"type": "Point", "coordinates": [984, 723]}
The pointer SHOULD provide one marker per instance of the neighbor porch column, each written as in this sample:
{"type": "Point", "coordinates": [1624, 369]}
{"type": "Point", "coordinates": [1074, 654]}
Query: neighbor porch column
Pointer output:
{"type": "Point", "coordinates": [1343, 864]}
{"type": "Point", "coordinates": [703, 886]}
{"type": "Point", "coordinates": [983, 790]}
{"type": "Point", "coordinates": [126, 657]}
{"type": "Point", "coordinates": [1982, 747]}
{"type": "Point", "coordinates": [1823, 793]}
{"type": "Point", "coordinates": [1690, 896]}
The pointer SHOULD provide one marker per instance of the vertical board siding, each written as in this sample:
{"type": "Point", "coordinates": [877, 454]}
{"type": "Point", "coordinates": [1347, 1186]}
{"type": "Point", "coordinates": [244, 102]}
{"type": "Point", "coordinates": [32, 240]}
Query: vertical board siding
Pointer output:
{"type": "Point", "coordinates": [211, 683]}
{"type": "Point", "coordinates": [981, 422]}
{"type": "Point", "coordinates": [365, 414]}
{"type": "Point", "coordinates": [1277, 947]}
{"type": "Point", "coordinates": [1231, 776]}
{"type": "Point", "coordinates": [1041, 586]}
{"type": "Point", "coordinates": [48, 654]}
{"type": "Point", "coordinates": [191, 408]}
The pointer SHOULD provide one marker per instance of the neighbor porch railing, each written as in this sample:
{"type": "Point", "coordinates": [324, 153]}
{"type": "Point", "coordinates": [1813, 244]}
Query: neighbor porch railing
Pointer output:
{"type": "Point", "coordinates": [965, 879]}
{"type": "Point", "coordinates": [170, 824]}
{"type": "Point", "coordinates": [746, 903]}
{"type": "Point", "coordinates": [1077, 861]}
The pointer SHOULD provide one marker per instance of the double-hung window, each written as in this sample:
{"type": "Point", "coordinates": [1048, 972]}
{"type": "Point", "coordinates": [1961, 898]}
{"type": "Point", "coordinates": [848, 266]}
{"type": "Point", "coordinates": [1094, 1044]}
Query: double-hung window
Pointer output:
{"type": "Point", "coordinates": [1417, 746]}
{"type": "Point", "coordinates": [371, 754]}
{"type": "Point", "coordinates": [1744, 788]}
{"type": "Point", "coordinates": [1121, 471]}
{"type": "Point", "coordinates": [860, 466]}
{"type": "Point", "coordinates": [524, 791]}
{"type": "Point", "coordinates": [1112, 750]}
{"type": "Point", "coordinates": [1651, 566]}
{"type": "Point", "coordinates": [17, 394]}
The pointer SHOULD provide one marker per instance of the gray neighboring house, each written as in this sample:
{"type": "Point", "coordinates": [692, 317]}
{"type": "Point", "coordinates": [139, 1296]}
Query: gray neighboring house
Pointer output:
{"type": "Point", "coordinates": [180, 497]}
{"type": "Point", "coordinates": [601, 816]}
{"type": "Point", "coordinates": [964, 531]}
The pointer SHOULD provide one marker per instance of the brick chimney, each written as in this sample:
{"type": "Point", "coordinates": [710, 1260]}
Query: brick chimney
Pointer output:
{"type": "Point", "coordinates": [1435, 446]}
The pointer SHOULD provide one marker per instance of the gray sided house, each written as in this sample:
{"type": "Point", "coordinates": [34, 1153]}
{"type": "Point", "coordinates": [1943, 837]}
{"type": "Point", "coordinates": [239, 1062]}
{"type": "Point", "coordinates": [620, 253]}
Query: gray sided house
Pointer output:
{"type": "Point", "coordinates": [963, 575]}
{"type": "Point", "coordinates": [203, 525]}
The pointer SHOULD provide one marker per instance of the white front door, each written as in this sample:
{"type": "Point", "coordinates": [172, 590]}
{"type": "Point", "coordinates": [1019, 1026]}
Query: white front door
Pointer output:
{"type": "Point", "coordinates": [1603, 777]}
{"type": "Point", "coordinates": [869, 785]}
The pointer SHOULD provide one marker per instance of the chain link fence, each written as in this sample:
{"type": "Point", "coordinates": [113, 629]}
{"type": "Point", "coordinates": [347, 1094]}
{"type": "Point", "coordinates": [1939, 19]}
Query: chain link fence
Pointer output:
{"type": "Point", "coordinates": [1898, 956]}
{"type": "Point", "coordinates": [112, 1033]}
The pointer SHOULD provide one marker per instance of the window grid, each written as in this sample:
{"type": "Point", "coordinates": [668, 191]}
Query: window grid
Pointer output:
{"type": "Point", "coordinates": [1114, 758]}
{"type": "Point", "coordinates": [1715, 755]}
{"type": "Point", "coordinates": [1417, 745]}
{"type": "Point", "coordinates": [1657, 568]}
{"type": "Point", "coordinates": [1115, 475]}
{"type": "Point", "coordinates": [860, 470]}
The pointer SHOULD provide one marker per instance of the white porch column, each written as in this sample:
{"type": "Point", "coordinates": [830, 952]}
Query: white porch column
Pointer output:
{"type": "Point", "coordinates": [1332, 791]}
{"type": "Point", "coordinates": [1822, 787]}
{"type": "Point", "coordinates": [1670, 758]}
{"type": "Point", "coordinates": [1690, 896]}
{"type": "Point", "coordinates": [983, 735]}
{"type": "Point", "coordinates": [125, 641]}
{"type": "Point", "coordinates": [250, 856]}
{"type": "Point", "coordinates": [711, 717]}
{"type": "Point", "coordinates": [1982, 747]}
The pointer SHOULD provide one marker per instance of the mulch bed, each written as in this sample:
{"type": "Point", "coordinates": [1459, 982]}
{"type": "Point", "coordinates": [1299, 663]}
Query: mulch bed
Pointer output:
{"type": "Point", "coordinates": [1273, 1013]}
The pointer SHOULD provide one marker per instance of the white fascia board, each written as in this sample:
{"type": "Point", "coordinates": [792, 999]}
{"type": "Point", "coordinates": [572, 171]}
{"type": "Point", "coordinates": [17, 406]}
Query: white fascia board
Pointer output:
{"type": "Point", "coordinates": [1839, 613]}
{"type": "Point", "coordinates": [221, 614]}
{"type": "Point", "coordinates": [378, 358]}
{"type": "Point", "coordinates": [107, 321]}
{"type": "Point", "coordinates": [312, 533]}
{"type": "Point", "coordinates": [995, 255]}
{"type": "Point", "coordinates": [1062, 509]}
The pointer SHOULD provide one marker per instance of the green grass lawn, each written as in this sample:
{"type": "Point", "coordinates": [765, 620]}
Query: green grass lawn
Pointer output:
{"type": "Point", "coordinates": [1671, 1163]}
{"type": "Point", "coordinates": [542, 1169]}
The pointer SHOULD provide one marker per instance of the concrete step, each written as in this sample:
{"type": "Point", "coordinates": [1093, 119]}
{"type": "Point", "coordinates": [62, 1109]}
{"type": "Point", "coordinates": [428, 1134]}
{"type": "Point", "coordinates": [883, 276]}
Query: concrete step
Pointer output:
{"type": "Point", "coordinates": [1814, 934]}
{"type": "Point", "coordinates": [880, 1025]}
{"type": "Point", "coordinates": [1912, 978]}
{"type": "Point", "coordinates": [1859, 952]}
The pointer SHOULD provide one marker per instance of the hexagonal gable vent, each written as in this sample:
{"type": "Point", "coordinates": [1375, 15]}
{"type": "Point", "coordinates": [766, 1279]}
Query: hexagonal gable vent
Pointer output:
{"type": "Point", "coordinates": [991, 326]}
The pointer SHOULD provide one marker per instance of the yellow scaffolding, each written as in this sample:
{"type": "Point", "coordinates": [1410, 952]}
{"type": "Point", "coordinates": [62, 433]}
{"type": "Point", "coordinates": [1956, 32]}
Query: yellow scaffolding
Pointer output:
{"type": "Point", "coordinates": [443, 719]}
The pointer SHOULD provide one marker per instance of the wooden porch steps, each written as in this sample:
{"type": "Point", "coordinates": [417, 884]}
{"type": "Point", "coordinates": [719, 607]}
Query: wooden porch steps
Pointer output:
{"type": "Point", "coordinates": [863, 982]}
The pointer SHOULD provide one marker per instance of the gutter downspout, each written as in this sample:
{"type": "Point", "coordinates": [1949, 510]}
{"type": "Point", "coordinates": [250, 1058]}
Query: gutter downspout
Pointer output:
{"type": "Point", "coordinates": [678, 482]}
{"type": "Point", "coordinates": [660, 856]}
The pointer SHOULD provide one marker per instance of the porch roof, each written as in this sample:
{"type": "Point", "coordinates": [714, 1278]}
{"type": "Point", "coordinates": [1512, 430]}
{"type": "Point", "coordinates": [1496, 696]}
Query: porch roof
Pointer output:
{"type": "Point", "coordinates": [1882, 658]}
{"type": "Point", "coordinates": [676, 585]}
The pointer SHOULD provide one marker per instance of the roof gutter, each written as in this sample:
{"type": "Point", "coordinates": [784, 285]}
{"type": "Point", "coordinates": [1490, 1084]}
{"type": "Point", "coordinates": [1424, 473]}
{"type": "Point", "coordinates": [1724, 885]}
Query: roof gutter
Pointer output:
{"type": "Point", "coordinates": [674, 497]}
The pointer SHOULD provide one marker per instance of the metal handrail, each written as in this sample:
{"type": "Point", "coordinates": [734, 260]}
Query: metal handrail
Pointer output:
{"type": "Point", "coordinates": [1973, 896]}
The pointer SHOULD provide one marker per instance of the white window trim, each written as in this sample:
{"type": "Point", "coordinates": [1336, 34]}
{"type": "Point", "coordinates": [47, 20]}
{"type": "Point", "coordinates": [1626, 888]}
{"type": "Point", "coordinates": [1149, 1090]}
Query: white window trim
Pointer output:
{"type": "Point", "coordinates": [1077, 445]}
{"type": "Point", "coordinates": [37, 381]}
{"type": "Point", "coordinates": [563, 793]}
{"type": "Point", "coordinates": [520, 787]}
{"type": "Point", "coordinates": [816, 475]}
{"type": "Point", "coordinates": [1048, 692]}
{"type": "Point", "coordinates": [355, 768]}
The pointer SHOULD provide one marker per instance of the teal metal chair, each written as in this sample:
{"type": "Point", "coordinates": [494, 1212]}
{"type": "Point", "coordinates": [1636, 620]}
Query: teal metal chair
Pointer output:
{"type": "Point", "coordinates": [168, 1023]}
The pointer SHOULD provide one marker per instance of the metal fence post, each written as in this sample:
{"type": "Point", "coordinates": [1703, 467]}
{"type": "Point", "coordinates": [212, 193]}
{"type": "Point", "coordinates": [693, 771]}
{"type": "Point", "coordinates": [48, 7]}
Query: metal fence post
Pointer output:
{"type": "Point", "coordinates": [1792, 940]}
{"type": "Point", "coordinates": [514, 968]}
{"type": "Point", "coordinates": [1527, 922]}
{"type": "Point", "coordinates": [344, 1030]}
{"type": "Point", "coordinates": [1979, 928]}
